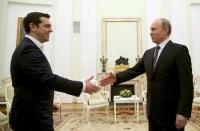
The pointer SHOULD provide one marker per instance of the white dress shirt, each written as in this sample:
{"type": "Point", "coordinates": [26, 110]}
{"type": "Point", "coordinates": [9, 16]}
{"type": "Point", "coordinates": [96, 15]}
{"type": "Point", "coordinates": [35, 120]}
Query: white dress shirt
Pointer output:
{"type": "Point", "coordinates": [37, 42]}
{"type": "Point", "coordinates": [161, 45]}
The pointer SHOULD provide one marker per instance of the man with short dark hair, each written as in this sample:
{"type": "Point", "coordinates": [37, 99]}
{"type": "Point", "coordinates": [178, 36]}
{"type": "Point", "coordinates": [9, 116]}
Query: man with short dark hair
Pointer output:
{"type": "Point", "coordinates": [33, 80]}
{"type": "Point", "coordinates": [169, 80]}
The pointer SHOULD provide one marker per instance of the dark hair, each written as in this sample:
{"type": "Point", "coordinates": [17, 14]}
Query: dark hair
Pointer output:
{"type": "Point", "coordinates": [166, 25]}
{"type": "Point", "coordinates": [33, 17]}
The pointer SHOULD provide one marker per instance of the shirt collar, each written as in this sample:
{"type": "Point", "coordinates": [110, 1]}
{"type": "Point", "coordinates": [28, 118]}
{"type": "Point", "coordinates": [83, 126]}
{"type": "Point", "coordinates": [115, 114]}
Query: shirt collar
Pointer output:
{"type": "Point", "coordinates": [162, 44]}
{"type": "Point", "coordinates": [37, 42]}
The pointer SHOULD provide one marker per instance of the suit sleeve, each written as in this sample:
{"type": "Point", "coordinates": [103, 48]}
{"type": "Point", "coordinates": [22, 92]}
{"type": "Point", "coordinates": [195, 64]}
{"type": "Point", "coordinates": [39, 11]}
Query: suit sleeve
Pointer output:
{"type": "Point", "coordinates": [36, 67]}
{"type": "Point", "coordinates": [183, 62]}
{"type": "Point", "coordinates": [131, 72]}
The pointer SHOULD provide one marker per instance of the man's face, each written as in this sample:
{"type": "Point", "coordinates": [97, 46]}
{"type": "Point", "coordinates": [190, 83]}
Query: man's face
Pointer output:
{"type": "Point", "coordinates": [158, 34]}
{"type": "Point", "coordinates": [43, 30]}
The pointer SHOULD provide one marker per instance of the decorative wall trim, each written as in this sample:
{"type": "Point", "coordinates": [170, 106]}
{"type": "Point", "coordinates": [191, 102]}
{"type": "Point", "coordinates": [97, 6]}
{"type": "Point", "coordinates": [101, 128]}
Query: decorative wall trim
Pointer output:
{"type": "Point", "coordinates": [41, 2]}
{"type": "Point", "coordinates": [105, 21]}
{"type": "Point", "coordinates": [194, 2]}
{"type": "Point", "coordinates": [20, 30]}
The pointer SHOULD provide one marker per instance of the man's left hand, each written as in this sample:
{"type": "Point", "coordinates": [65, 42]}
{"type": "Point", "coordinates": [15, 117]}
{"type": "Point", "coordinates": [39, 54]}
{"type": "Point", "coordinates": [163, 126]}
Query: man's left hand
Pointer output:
{"type": "Point", "coordinates": [181, 121]}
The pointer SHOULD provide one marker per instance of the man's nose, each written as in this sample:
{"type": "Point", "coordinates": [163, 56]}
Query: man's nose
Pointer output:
{"type": "Point", "coordinates": [51, 30]}
{"type": "Point", "coordinates": [150, 33]}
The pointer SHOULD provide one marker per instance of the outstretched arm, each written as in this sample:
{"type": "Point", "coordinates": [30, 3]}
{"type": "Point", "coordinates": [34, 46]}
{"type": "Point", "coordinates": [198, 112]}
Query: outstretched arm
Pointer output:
{"type": "Point", "coordinates": [109, 78]}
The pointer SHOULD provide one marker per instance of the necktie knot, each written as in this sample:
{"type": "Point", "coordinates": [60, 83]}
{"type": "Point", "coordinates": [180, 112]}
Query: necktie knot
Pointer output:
{"type": "Point", "coordinates": [157, 48]}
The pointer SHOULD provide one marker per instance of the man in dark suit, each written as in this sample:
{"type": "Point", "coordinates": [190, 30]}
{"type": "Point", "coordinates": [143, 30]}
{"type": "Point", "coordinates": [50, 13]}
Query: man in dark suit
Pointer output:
{"type": "Point", "coordinates": [169, 80]}
{"type": "Point", "coordinates": [33, 80]}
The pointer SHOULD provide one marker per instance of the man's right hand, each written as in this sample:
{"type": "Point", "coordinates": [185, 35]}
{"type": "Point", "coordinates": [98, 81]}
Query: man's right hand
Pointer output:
{"type": "Point", "coordinates": [91, 86]}
{"type": "Point", "coordinates": [108, 79]}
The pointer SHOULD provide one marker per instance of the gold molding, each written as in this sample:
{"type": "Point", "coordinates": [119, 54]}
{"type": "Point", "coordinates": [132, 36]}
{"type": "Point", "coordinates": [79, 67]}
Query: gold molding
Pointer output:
{"type": "Point", "coordinates": [105, 22]}
{"type": "Point", "coordinates": [20, 30]}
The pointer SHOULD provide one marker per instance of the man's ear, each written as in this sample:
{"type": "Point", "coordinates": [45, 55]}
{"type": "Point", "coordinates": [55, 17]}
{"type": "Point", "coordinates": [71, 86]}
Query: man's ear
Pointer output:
{"type": "Point", "coordinates": [32, 27]}
{"type": "Point", "coordinates": [167, 30]}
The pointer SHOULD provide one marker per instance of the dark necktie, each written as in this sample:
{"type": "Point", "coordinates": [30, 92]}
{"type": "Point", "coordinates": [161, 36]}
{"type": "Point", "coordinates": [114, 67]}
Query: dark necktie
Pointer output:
{"type": "Point", "coordinates": [155, 56]}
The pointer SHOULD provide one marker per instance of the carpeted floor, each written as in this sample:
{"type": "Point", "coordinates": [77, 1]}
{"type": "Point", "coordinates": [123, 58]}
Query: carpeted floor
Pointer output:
{"type": "Point", "coordinates": [98, 122]}
{"type": "Point", "coordinates": [71, 120]}
{"type": "Point", "coordinates": [195, 119]}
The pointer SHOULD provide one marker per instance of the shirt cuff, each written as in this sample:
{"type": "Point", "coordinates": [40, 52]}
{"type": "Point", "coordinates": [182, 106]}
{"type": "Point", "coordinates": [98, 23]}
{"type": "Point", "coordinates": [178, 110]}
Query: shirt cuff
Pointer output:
{"type": "Point", "coordinates": [84, 86]}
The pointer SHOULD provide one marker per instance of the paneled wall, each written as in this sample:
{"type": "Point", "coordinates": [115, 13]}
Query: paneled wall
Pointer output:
{"type": "Point", "coordinates": [77, 55]}
{"type": "Point", "coordinates": [194, 37]}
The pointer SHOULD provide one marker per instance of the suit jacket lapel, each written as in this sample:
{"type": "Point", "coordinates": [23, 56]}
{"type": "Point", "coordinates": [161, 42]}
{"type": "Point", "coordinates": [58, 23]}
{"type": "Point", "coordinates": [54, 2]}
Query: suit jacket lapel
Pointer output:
{"type": "Point", "coordinates": [163, 54]}
{"type": "Point", "coordinates": [33, 44]}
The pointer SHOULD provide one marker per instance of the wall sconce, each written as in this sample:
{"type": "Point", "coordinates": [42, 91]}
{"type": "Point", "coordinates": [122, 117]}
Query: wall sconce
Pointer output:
{"type": "Point", "coordinates": [103, 62]}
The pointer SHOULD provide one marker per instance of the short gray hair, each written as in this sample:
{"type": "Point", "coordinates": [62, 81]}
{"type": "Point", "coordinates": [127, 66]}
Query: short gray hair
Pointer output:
{"type": "Point", "coordinates": [166, 25]}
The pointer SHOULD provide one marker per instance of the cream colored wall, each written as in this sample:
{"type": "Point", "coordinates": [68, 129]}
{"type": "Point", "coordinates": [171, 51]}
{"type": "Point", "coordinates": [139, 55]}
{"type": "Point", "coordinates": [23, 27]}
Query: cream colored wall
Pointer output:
{"type": "Point", "coordinates": [76, 42]}
{"type": "Point", "coordinates": [118, 9]}
{"type": "Point", "coordinates": [166, 9]}
{"type": "Point", "coordinates": [8, 31]}
{"type": "Point", "coordinates": [178, 12]}
{"type": "Point", "coordinates": [58, 54]}
{"type": "Point", "coordinates": [2, 35]}
{"type": "Point", "coordinates": [65, 51]}
{"type": "Point", "coordinates": [193, 17]}
{"type": "Point", "coordinates": [184, 19]}
{"type": "Point", "coordinates": [88, 38]}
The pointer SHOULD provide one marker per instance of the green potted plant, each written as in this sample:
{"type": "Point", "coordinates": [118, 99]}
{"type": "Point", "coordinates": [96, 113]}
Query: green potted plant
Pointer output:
{"type": "Point", "coordinates": [125, 93]}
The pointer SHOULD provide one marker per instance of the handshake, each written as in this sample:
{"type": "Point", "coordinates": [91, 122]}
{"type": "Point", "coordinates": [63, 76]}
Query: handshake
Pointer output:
{"type": "Point", "coordinates": [92, 86]}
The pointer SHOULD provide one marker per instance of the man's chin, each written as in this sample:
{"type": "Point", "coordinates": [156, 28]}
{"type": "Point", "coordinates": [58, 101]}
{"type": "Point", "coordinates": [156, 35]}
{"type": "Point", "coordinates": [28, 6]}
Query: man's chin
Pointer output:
{"type": "Point", "coordinates": [154, 41]}
{"type": "Point", "coordinates": [47, 39]}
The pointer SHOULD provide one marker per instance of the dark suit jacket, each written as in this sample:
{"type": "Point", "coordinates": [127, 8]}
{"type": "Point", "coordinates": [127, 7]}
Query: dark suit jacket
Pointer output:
{"type": "Point", "coordinates": [34, 84]}
{"type": "Point", "coordinates": [169, 86]}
